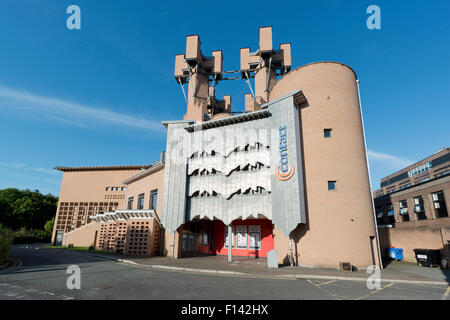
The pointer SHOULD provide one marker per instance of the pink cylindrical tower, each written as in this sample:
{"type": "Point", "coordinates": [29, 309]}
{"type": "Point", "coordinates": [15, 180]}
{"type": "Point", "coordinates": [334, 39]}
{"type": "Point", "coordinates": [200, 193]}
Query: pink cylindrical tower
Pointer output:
{"type": "Point", "coordinates": [341, 225]}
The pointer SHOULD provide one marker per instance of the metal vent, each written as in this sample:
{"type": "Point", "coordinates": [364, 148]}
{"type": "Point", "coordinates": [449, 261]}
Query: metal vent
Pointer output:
{"type": "Point", "coordinates": [346, 266]}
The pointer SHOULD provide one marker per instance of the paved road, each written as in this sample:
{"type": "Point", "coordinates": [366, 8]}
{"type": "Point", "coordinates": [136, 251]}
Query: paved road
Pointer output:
{"type": "Point", "coordinates": [43, 276]}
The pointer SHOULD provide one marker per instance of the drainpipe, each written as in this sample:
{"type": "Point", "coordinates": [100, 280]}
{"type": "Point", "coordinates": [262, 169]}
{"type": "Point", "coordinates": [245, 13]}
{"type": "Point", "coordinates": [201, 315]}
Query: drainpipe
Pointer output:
{"type": "Point", "coordinates": [161, 240]}
{"type": "Point", "coordinates": [370, 180]}
{"type": "Point", "coordinates": [173, 246]}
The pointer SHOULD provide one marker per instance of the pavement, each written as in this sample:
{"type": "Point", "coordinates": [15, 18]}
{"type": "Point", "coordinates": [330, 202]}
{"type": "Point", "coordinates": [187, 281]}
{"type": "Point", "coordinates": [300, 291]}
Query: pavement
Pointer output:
{"type": "Point", "coordinates": [396, 271]}
{"type": "Point", "coordinates": [43, 275]}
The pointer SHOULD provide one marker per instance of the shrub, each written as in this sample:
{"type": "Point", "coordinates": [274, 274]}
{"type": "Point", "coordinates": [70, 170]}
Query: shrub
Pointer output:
{"type": "Point", "coordinates": [6, 239]}
{"type": "Point", "coordinates": [48, 227]}
{"type": "Point", "coordinates": [24, 235]}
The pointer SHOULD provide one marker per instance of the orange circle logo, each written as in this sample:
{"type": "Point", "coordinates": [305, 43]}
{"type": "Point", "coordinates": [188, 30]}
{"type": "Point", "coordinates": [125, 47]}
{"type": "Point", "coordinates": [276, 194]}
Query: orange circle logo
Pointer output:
{"type": "Point", "coordinates": [286, 175]}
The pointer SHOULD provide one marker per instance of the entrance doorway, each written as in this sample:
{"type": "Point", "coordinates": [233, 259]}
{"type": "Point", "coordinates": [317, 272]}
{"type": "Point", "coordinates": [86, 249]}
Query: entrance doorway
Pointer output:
{"type": "Point", "coordinates": [250, 238]}
{"type": "Point", "coordinates": [198, 239]}
{"type": "Point", "coordinates": [59, 238]}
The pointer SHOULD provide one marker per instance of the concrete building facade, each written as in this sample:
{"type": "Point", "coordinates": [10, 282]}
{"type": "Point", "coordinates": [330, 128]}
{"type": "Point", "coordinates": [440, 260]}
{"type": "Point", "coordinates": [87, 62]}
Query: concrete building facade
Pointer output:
{"type": "Point", "coordinates": [289, 174]}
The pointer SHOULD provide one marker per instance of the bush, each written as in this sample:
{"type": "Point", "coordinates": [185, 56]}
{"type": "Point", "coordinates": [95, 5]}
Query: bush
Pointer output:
{"type": "Point", "coordinates": [24, 235]}
{"type": "Point", "coordinates": [48, 227]}
{"type": "Point", "coordinates": [6, 239]}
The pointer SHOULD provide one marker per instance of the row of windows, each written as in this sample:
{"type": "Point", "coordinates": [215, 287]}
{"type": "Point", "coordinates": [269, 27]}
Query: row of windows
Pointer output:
{"type": "Point", "coordinates": [420, 169]}
{"type": "Point", "coordinates": [116, 188]}
{"type": "Point", "coordinates": [141, 199]}
{"type": "Point", "coordinates": [438, 205]}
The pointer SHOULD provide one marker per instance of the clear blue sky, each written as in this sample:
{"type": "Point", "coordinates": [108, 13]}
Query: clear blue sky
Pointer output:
{"type": "Point", "coordinates": [96, 96]}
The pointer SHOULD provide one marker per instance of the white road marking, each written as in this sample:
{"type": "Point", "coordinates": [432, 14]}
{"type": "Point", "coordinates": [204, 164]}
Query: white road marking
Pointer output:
{"type": "Point", "coordinates": [328, 292]}
{"type": "Point", "coordinates": [29, 290]}
{"type": "Point", "coordinates": [446, 293]}
{"type": "Point", "coordinates": [375, 291]}
{"type": "Point", "coordinates": [11, 294]}
{"type": "Point", "coordinates": [324, 283]}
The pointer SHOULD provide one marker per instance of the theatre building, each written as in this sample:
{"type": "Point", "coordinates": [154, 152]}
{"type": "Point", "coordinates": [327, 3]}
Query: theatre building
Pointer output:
{"type": "Point", "coordinates": [288, 174]}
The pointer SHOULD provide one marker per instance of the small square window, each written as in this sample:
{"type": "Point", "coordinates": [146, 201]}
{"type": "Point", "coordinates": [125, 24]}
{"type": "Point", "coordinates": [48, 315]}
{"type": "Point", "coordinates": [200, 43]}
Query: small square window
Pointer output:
{"type": "Point", "coordinates": [327, 133]}
{"type": "Point", "coordinates": [107, 188]}
{"type": "Point", "coordinates": [331, 185]}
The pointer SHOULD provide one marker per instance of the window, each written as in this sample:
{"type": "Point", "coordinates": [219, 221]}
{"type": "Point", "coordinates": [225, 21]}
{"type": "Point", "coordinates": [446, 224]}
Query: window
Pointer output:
{"type": "Point", "coordinates": [439, 204]}
{"type": "Point", "coordinates": [140, 204]}
{"type": "Point", "coordinates": [390, 210]}
{"type": "Point", "coordinates": [153, 199]}
{"type": "Point", "coordinates": [390, 213]}
{"type": "Point", "coordinates": [107, 188]}
{"type": "Point", "coordinates": [241, 237]}
{"type": "Point", "coordinates": [124, 188]}
{"type": "Point", "coordinates": [130, 203]}
{"type": "Point", "coordinates": [327, 133]}
{"type": "Point", "coordinates": [392, 189]}
{"type": "Point", "coordinates": [254, 237]}
{"type": "Point", "coordinates": [380, 215]}
{"type": "Point", "coordinates": [404, 210]}
{"type": "Point", "coordinates": [331, 185]}
{"type": "Point", "coordinates": [419, 208]}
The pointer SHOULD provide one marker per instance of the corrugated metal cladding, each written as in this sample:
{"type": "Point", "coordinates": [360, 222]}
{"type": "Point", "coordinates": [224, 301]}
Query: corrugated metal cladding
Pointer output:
{"type": "Point", "coordinates": [227, 172]}
{"type": "Point", "coordinates": [174, 196]}
{"type": "Point", "coordinates": [288, 197]}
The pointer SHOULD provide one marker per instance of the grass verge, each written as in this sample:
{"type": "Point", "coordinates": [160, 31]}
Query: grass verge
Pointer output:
{"type": "Point", "coordinates": [83, 249]}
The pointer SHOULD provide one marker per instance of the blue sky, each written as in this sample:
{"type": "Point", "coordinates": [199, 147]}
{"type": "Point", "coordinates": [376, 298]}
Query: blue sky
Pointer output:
{"type": "Point", "coordinates": [97, 96]}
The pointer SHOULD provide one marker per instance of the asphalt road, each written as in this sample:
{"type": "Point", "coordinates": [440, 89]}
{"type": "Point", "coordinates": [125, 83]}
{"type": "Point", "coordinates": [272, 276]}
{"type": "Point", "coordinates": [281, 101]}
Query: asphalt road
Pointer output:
{"type": "Point", "coordinates": [43, 276]}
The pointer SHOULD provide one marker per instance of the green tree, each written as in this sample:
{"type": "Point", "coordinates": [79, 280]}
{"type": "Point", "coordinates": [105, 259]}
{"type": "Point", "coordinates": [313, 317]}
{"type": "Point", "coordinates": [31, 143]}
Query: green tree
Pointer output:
{"type": "Point", "coordinates": [7, 199]}
{"type": "Point", "coordinates": [48, 227]}
{"type": "Point", "coordinates": [29, 209]}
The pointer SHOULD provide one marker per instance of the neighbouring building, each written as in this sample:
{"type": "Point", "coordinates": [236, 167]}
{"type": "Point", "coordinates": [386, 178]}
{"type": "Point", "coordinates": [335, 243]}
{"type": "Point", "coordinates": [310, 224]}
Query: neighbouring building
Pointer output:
{"type": "Point", "coordinates": [92, 199]}
{"type": "Point", "coordinates": [289, 173]}
{"type": "Point", "coordinates": [412, 206]}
